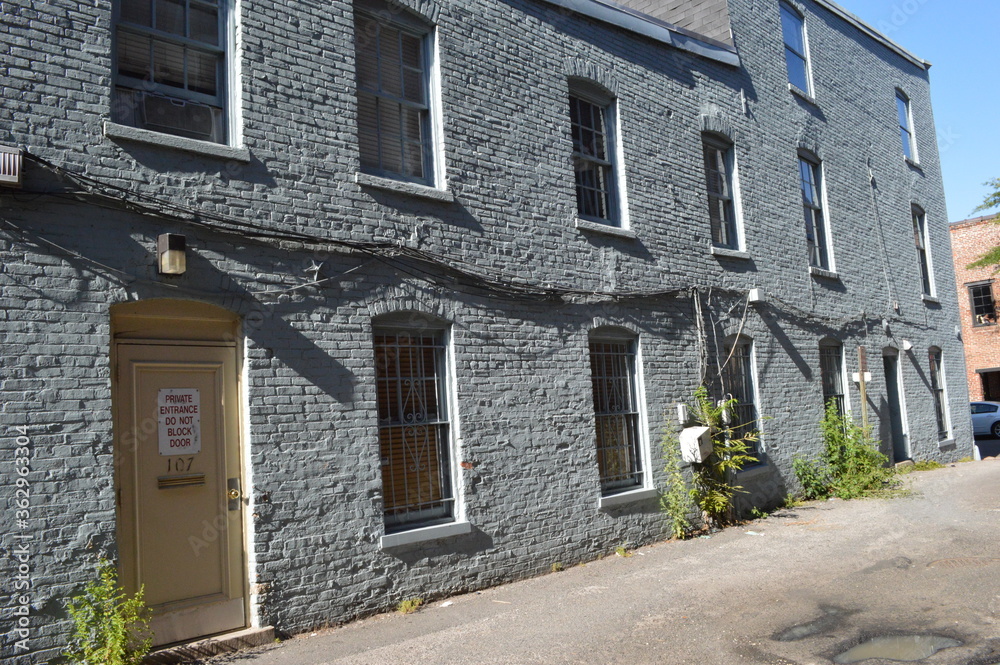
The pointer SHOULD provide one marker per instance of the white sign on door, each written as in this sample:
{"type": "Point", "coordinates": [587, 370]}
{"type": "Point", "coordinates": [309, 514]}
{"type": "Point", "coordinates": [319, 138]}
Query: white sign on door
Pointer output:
{"type": "Point", "coordinates": [179, 415]}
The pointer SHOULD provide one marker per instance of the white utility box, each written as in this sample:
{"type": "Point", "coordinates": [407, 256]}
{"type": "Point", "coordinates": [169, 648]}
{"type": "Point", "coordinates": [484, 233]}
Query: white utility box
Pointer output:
{"type": "Point", "coordinates": [696, 444]}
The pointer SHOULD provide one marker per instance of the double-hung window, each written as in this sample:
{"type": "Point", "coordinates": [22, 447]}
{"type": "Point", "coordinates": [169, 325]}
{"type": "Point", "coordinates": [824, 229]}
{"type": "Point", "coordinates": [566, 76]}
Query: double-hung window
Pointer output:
{"type": "Point", "coordinates": [793, 31]}
{"type": "Point", "coordinates": [614, 377]}
{"type": "Point", "coordinates": [831, 369]}
{"type": "Point", "coordinates": [906, 126]}
{"type": "Point", "coordinates": [591, 114]}
{"type": "Point", "coordinates": [739, 383]}
{"type": "Point", "coordinates": [923, 255]}
{"type": "Point", "coordinates": [392, 49]}
{"type": "Point", "coordinates": [720, 182]}
{"type": "Point", "coordinates": [415, 427]}
{"type": "Point", "coordinates": [810, 181]}
{"type": "Point", "coordinates": [170, 67]}
{"type": "Point", "coordinates": [940, 396]}
{"type": "Point", "coordinates": [984, 309]}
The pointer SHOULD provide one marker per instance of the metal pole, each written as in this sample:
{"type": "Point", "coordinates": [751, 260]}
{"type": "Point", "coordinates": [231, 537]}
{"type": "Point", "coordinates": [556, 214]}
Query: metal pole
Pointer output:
{"type": "Point", "coordinates": [863, 384]}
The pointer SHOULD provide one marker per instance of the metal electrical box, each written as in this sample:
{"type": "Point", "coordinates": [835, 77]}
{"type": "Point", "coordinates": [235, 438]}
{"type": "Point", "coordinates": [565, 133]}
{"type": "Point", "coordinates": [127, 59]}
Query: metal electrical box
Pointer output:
{"type": "Point", "coordinates": [696, 444]}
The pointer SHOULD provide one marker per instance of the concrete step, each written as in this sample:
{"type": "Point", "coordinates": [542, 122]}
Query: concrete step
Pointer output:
{"type": "Point", "coordinates": [212, 646]}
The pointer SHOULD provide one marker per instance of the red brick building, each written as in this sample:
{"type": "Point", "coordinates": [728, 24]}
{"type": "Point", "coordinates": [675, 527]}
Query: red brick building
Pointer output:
{"type": "Point", "coordinates": [977, 305]}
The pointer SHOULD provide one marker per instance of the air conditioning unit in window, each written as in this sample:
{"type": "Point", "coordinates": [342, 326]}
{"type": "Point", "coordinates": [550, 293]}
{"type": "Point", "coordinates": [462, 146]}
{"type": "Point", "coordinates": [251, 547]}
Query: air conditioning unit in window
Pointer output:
{"type": "Point", "coordinates": [178, 116]}
{"type": "Point", "coordinates": [696, 444]}
{"type": "Point", "coordinates": [11, 164]}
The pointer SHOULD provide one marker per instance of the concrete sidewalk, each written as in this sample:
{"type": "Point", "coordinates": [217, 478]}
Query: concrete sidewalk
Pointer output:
{"type": "Point", "coordinates": [800, 587]}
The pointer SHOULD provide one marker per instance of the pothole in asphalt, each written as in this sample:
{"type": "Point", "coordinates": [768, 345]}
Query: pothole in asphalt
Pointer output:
{"type": "Point", "coordinates": [902, 647]}
{"type": "Point", "coordinates": [832, 616]}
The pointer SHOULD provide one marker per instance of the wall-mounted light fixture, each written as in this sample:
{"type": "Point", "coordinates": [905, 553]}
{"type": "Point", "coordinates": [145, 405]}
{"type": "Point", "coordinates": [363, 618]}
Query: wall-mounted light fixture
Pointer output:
{"type": "Point", "coordinates": [171, 258]}
{"type": "Point", "coordinates": [907, 345]}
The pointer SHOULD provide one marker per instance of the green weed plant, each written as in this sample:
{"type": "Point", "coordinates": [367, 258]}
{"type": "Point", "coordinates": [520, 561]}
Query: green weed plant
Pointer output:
{"type": "Point", "coordinates": [110, 627]}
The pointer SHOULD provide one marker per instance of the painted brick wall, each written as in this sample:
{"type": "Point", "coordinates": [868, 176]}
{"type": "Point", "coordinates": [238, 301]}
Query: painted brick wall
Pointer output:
{"type": "Point", "coordinates": [521, 370]}
{"type": "Point", "coordinates": [969, 239]}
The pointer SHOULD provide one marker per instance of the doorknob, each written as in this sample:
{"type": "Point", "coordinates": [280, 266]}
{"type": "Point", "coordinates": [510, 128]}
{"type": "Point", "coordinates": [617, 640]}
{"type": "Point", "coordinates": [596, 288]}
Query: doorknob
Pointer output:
{"type": "Point", "coordinates": [233, 493]}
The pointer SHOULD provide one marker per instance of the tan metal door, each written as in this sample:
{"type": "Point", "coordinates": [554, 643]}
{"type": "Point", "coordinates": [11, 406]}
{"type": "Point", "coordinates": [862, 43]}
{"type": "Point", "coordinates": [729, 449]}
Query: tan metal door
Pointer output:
{"type": "Point", "coordinates": [180, 509]}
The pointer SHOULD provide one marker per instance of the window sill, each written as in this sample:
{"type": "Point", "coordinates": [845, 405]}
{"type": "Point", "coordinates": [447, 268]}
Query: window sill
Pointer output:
{"type": "Point", "coordinates": [597, 227]}
{"type": "Point", "coordinates": [113, 130]}
{"type": "Point", "coordinates": [930, 300]}
{"type": "Point", "coordinates": [729, 253]}
{"type": "Point", "coordinates": [913, 164]}
{"type": "Point", "coordinates": [403, 187]}
{"type": "Point", "coordinates": [757, 469]}
{"type": "Point", "coordinates": [822, 272]}
{"type": "Point", "coordinates": [632, 496]}
{"type": "Point", "coordinates": [424, 534]}
{"type": "Point", "coordinates": [803, 95]}
{"type": "Point", "coordinates": [947, 443]}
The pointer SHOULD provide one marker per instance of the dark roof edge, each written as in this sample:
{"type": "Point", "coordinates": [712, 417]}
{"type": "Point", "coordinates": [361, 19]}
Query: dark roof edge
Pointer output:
{"type": "Point", "coordinates": [661, 31]}
{"type": "Point", "coordinates": [872, 32]}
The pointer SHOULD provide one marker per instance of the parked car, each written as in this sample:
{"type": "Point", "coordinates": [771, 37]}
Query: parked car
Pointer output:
{"type": "Point", "coordinates": [985, 418]}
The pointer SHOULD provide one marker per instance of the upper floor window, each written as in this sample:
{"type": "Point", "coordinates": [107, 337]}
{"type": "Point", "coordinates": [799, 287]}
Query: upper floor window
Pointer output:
{"type": "Point", "coordinates": [392, 63]}
{"type": "Point", "coordinates": [923, 253]}
{"type": "Point", "coordinates": [591, 115]}
{"type": "Point", "coordinates": [940, 395]}
{"type": "Point", "coordinates": [810, 181]}
{"type": "Point", "coordinates": [906, 126]}
{"type": "Point", "coordinates": [720, 181]}
{"type": "Point", "coordinates": [984, 309]}
{"type": "Point", "coordinates": [831, 369]}
{"type": "Point", "coordinates": [170, 67]}
{"type": "Point", "coordinates": [793, 29]}
{"type": "Point", "coordinates": [614, 377]}
{"type": "Point", "coordinates": [740, 383]}
{"type": "Point", "coordinates": [415, 426]}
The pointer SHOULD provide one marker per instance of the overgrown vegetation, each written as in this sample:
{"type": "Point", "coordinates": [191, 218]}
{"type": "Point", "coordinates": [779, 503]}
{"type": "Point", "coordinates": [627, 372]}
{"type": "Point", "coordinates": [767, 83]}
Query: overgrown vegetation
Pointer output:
{"type": "Point", "coordinates": [410, 605]}
{"type": "Point", "coordinates": [558, 567]}
{"type": "Point", "coordinates": [713, 485]}
{"type": "Point", "coordinates": [850, 466]}
{"type": "Point", "coordinates": [110, 627]}
{"type": "Point", "coordinates": [922, 465]}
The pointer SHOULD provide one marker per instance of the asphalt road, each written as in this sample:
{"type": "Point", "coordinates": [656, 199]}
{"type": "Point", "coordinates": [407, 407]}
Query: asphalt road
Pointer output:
{"type": "Point", "coordinates": [800, 587]}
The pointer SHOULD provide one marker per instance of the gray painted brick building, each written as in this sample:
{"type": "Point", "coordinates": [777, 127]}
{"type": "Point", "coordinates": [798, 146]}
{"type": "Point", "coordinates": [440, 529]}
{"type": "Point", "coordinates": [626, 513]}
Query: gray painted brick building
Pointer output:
{"type": "Point", "coordinates": [450, 267]}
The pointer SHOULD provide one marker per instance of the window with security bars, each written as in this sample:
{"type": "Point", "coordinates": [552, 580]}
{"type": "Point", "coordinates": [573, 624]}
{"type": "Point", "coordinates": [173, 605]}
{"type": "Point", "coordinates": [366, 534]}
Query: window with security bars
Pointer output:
{"type": "Point", "coordinates": [738, 383]}
{"type": "Point", "coordinates": [984, 309]}
{"type": "Point", "coordinates": [170, 67]}
{"type": "Point", "coordinates": [923, 257]}
{"type": "Point", "coordinates": [812, 207]}
{"type": "Point", "coordinates": [593, 158]}
{"type": "Point", "coordinates": [938, 388]}
{"type": "Point", "coordinates": [414, 428]}
{"type": "Point", "coordinates": [718, 160]}
{"type": "Point", "coordinates": [391, 60]}
{"type": "Point", "coordinates": [616, 413]}
{"type": "Point", "coordinates": [905, 126]}
{"type": "Point", "coordinates": [831, 370]}
{"type": "Point", "coordinates": [793, 31]}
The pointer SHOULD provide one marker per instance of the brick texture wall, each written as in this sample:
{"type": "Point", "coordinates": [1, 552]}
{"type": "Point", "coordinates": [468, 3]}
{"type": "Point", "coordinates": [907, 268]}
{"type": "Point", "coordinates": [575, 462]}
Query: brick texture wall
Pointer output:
{"type": "Point", "coordinates": [521, 372]}
{"type": "Point", "coordinates": [969, 239]}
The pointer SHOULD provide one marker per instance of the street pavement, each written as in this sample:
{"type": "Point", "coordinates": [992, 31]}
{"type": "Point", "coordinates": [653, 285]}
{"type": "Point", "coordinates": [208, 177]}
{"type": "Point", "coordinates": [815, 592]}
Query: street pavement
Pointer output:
{"type": "Point", "coordinates": [800, 587]}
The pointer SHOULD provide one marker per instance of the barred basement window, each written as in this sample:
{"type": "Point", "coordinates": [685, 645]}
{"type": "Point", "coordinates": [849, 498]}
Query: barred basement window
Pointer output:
{"type": "Point", "coordinates": [170, 67]}
{"type": "Point", "coordinates": [616, 412]}
{"type": "Point", "coordinates": [719, 172]}
{"type": "Point", "coordinates": [984, 309]}
{"type": "Point", "coordinates": [591, 121]}
{"type": "Point", "coordinates": [414, 427]}
{"type": "Point", "coordinates": [940, 396]}
{"type": "Point", "coordinates": [739, 383]}
{"type": "Point", "coordinates": [831, 369]}
{"type": "Point", "coordinates": [392, 49]}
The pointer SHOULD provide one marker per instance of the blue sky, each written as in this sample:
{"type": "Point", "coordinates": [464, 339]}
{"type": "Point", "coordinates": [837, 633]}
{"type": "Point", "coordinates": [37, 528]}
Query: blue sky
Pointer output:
{"type": "Point", "coordinates": [958, 37]}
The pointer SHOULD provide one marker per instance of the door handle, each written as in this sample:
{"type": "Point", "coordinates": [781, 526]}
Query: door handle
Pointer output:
{"type": "Point", "coordinates": [233, 493]}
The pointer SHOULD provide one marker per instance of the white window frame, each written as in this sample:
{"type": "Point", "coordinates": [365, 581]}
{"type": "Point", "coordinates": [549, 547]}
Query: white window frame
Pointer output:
{"type": "Point", "coordinates": [939, 393]}
{"type": "Point", "coordinates": [644, 488]}
{"type": "Point", "coordinates": [721, 143]}
{"type": "Point", "coordinates": [125, 112]}
{"type": "Point", "coordinates": [432, 122]}
{"type": "Point", "coordinates": [800, 19]}
{"type": "Point", "coordinates": [417, 530]}
{"type": "Point", "coordinates": [593, 94]}
{"type": "Point", "coordinates": [925, 261]}
{"type": "Point", "coordinates": [907, 136]}
{"type": "Point", "coordinates": [818, 206]}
